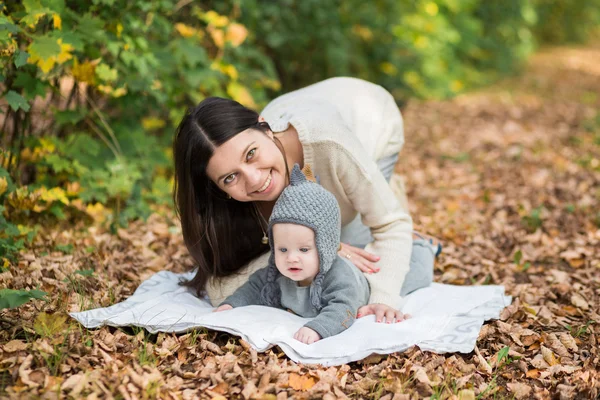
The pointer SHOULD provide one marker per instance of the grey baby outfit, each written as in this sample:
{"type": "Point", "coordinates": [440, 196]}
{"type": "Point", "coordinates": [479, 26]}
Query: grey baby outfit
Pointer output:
{"type": "Point", "coordinates": [338, 290]}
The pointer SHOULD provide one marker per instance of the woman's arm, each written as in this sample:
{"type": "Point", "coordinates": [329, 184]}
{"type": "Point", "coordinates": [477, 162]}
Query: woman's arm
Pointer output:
{"type": "Point", "coordinates": [391, 226]}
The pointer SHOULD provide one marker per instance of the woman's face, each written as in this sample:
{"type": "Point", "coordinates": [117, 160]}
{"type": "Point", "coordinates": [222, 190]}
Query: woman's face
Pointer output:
{"type": "Point", "coordinates": [249, 167]}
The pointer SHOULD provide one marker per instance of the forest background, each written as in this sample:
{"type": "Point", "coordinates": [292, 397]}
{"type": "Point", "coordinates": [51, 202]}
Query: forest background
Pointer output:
{"type": "Point", "coordinates": [92, 91]}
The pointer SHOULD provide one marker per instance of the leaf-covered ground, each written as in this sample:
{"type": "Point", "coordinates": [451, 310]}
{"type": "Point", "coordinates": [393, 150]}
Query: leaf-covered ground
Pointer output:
{"type": "Point", "coordinates": [508, 178]}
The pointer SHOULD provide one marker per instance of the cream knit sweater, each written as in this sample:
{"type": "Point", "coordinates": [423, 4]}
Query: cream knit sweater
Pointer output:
{"type": "Point", "coordinates": [345, 125]}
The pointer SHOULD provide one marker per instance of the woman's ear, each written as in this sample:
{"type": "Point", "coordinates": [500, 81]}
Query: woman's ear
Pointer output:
{"type": "Point", "coordinates": [269, 132]}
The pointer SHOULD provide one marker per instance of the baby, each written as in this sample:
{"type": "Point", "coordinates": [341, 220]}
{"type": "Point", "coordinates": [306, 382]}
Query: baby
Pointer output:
{"type": "Point", "coordinates": [305, 275]}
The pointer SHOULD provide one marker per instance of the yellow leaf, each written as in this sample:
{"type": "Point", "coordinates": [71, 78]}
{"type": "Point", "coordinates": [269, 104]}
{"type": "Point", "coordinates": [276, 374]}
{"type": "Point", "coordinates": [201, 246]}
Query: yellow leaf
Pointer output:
{"type": "Point", "coordinates": [271, 83]}
{"type": "Point", "coordinates": [156, 85]}
{"type": "Point", "coordinates": [421, 42]}
{"type": "Point", "coordinates": [431, 9]}
{"type": "Point", "coordinates": [45, 65]}
{"type": "Point", "coordinates": [5, 263]}
{"type": "Point", "coordinates": [185, 30]}
{"type": "Point", "coordinates": [152, 123]}
{"type": "Point", "coordinates": [3, 185]}
{"type": "Point", "coordinates": [363, 32]}
{"type": "Point", "coordinates": [120, 92]}
{"type": "Point", "coordinates": [302, 383]}
{"type": "Point", "coordinates": [54, 194]}
{"type": "Point", "coordinates": [456, 86]}
{"type": "Point", "coordinates": [231, 71]}
{"type": "Point", "coordinates": [236, 34]}
{"type": "Point", "coordinates": [388, 68]}
{"type": "Point", "coordinates": [119, 29]}
{"type": "Point", "coordinates": [49, 324]}
{"type": "Point", "coordinates": [65, 52]}
{"type": "Point", "coordinates": [213, 18]}
{"type": "Point", "coordinates": [21, 199]}
{"type": "Point", "coordinates": [217, 36]}
{"type": "Point", "coordinates": [96, 211]}
{"type": "Point", "coordinates": [73, 188]}
{"type": "Point", "coordinates": [57, 21]}
{"type": "Point", "coordinates": [85, 72]}
{"type": "Point", "coordinates": [47, 145]}
{"type": "Point", "coordinates": [240, 94]}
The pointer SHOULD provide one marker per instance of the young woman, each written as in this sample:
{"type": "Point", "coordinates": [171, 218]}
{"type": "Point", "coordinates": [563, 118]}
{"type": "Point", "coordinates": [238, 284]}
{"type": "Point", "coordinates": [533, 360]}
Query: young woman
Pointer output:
{"type": "Point", "coordinates": [231, 165]}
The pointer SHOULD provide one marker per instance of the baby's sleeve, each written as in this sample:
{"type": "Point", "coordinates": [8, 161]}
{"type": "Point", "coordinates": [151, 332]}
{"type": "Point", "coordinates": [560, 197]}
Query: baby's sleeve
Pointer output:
{"type": "Point", "coordinates": [249, 293]}
{"type": "Point", "coordinates": [344, 292]}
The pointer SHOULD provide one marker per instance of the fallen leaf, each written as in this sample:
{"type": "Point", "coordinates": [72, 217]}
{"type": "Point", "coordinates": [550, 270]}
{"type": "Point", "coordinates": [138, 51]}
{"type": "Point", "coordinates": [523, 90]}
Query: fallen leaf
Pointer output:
{"type": "Point", "coordinates": [568, 341]}
{"type": "Point", "coordinates": [549, 356]}
{"type": "Point", "coordinates": [14, 345]}
{"type": "Point", "coordinates": [466, 394]}
{"type": "Point", "coordinates": [521, 390]}
{"type": "Point", "coordinates": [533, 373]}
{"type": "Point", "coordinates": [578, 301]}
{"type": "Point", "coordinates": [301, 382]}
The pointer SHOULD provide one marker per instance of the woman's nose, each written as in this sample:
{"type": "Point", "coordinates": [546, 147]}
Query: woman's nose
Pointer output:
{"type": "Point", "coordinates": [253, 177]}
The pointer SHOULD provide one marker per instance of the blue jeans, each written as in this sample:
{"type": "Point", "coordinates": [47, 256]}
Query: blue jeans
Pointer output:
{"type": "Point", "coordinates": [420, 274]}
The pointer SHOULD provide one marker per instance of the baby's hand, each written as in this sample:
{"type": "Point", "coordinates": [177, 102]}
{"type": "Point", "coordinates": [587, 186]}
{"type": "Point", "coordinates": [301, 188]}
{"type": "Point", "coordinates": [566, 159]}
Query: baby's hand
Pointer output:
{"type": "Point", "coordinates": [306, 335]}
{"type": "Point", "coordinates": [223, 307]}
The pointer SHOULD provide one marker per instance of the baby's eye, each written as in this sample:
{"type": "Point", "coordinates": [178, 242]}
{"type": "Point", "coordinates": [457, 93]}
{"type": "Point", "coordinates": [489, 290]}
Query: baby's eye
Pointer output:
{"type": "Point", "coordinates": [304, 249]}
{"type": "Point", "coordinates": [229, 178]}
{"type": "Point", "coordinates": [283, 249]}
{"type": "Point", "coordinates": [250, 154]}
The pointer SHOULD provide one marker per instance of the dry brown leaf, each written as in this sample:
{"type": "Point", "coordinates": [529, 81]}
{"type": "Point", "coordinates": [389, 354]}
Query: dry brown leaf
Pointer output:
{"type": "Point", "coordinates": [578, 301]}
{"type": "Point", "coordinates": [555, 344]}
{"type": "Point", "coordinates": [568, 341]}
{"type": "Point", "coordinates": [466, 394]}
{"type": "Point", "coordinates": [549, 356]}
{"type": "Point", "coordinates": [520, 390]}
{"type": "Point", "coordinates": [301, 382]}
{"type": "Point", "coordinates": [533, 373]}
{"type": "Point", "coordinates": [14, 345]}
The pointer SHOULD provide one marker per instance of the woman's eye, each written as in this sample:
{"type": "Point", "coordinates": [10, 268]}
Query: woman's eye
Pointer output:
{"type": "Point", "coordinates": [229, 179]}
{"type": "Point", "coordinates": [250, 154]}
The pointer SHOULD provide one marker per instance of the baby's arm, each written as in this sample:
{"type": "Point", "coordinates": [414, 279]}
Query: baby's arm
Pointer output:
{"type": "Point", "coordinates": [247, 294]}
{"type": "Point", "coordinates": [342, 295]}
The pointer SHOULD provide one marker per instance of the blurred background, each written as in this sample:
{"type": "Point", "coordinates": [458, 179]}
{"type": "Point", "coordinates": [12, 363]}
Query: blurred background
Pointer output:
{"type": "Point", "coordinates": [91, 91]}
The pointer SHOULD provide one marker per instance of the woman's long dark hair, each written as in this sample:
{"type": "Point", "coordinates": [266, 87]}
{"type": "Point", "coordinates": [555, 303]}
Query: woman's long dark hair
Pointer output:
{"type": "Point", "coordinates": [221, 234]}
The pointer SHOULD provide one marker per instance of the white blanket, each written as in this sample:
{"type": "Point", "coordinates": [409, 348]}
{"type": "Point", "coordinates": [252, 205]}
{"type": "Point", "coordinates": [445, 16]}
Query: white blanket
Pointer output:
{"type": "Point", "coordinates": [445, 318]}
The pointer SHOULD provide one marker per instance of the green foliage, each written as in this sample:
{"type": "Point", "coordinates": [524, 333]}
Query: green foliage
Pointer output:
{"type": "Point", "coordinates": [10, 298]}
{"type": "Point", "coordinates": [567, 21]}
{"type": "Point", "coordinates": [136, 67]}
{"type": "Point", "coordinates": [116, 76]}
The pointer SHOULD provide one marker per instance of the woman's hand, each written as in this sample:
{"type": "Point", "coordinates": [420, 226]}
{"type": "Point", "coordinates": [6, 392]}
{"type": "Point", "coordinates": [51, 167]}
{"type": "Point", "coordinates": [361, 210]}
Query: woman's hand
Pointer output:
{"type": "Point", "coordinates": [223, 307]}
{"type": "Point", "coordinates": [359, 257]}
{"type": "Point", "coordinates": [382, 311]}
{"type": "Point", "coordinates": [306, 335]}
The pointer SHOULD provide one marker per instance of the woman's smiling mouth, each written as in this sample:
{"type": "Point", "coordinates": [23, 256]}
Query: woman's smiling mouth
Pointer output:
{"type": "Point", "coordinates": [266, 185]}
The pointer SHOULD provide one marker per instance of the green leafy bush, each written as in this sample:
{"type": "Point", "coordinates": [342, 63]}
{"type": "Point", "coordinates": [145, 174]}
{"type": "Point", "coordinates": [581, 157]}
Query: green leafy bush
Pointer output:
{"type": "Point", "coordinates": [92, 91]}
{"type": "Point", "coordinates": [10, 298]}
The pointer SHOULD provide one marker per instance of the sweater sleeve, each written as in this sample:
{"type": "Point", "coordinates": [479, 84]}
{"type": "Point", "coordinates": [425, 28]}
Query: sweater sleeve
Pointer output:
{"type": "Point", "coordinates": [342, 296]}
{"type": "Point", "coordinates": [390, 225]}
{"type": "Point", "coordinates": [218, 289]}
{"type": "Point", "coordinates": [249, 293]}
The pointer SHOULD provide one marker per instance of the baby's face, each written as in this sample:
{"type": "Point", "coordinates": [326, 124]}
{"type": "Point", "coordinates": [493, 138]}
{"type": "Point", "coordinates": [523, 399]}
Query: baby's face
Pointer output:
{"type": "Point", "coordinates": [296, 255]}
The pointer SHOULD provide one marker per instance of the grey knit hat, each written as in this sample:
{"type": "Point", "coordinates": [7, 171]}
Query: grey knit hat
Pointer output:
{"type": "Point", "coordinates": [305, 203]}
